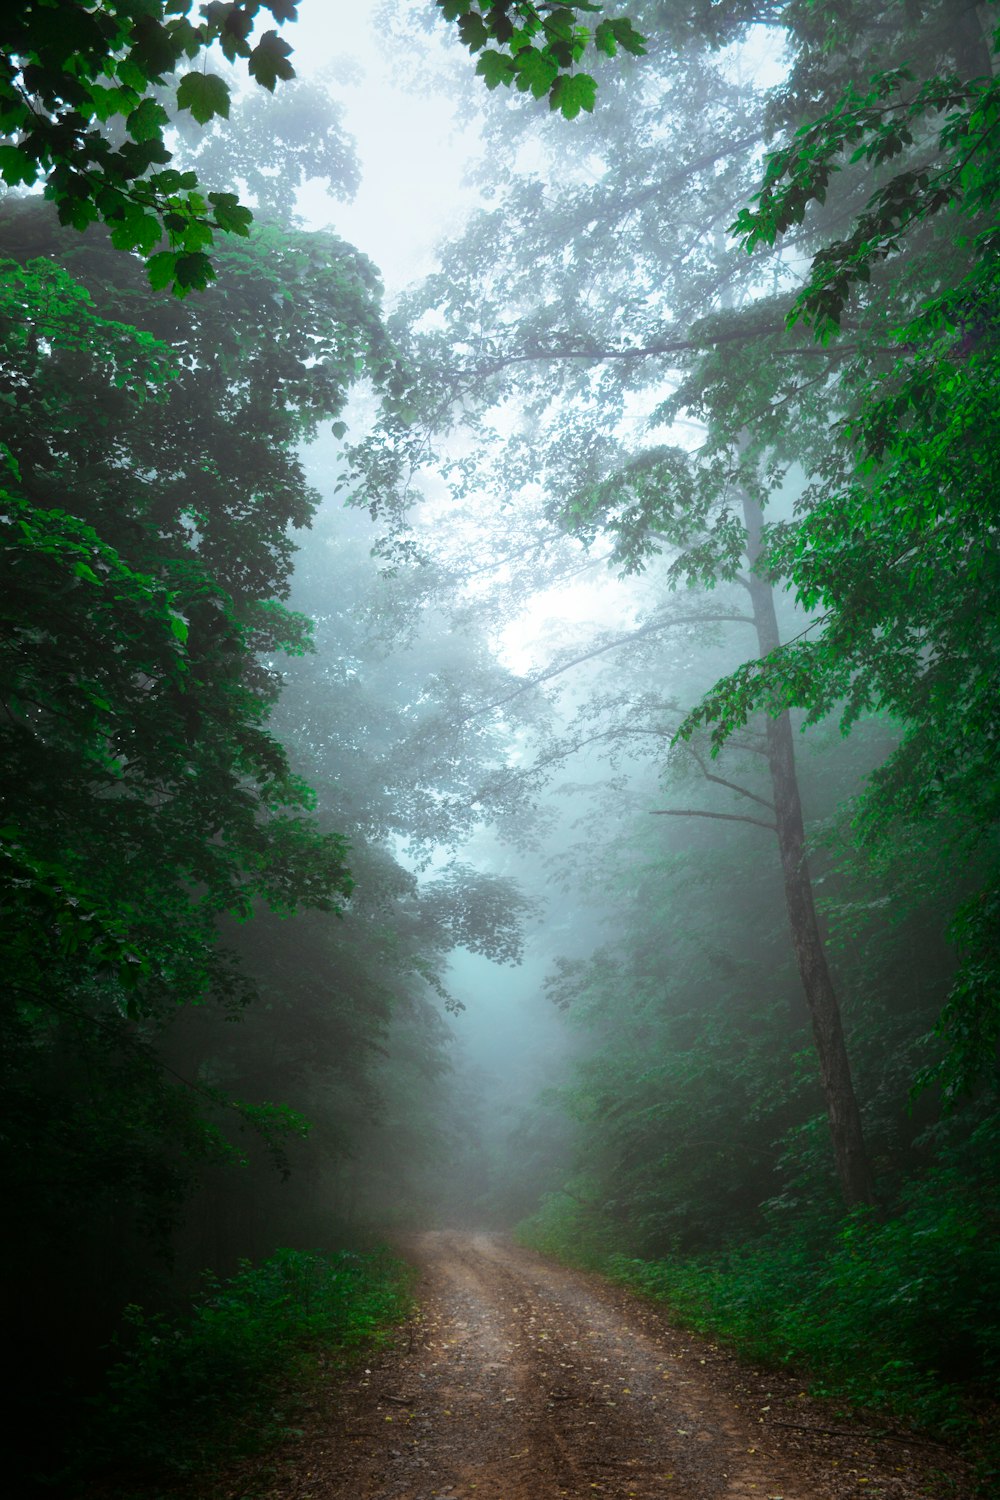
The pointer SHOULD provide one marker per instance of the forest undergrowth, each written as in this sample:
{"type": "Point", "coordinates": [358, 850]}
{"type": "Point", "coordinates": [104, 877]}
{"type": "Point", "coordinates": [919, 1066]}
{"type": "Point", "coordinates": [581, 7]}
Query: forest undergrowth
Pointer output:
{"type": "Point", "coordinates": [895, 1311]}
{"type": "Point", "coordinates": [190, 1393]}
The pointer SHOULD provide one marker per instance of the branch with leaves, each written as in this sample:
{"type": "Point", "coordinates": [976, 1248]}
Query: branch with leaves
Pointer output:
{"type": "Point", "coordinates": [69, 71]}
{"type": "Point", "coordinates": [74, 78]}
{"type": "Point", "coordinates": [876, 127]}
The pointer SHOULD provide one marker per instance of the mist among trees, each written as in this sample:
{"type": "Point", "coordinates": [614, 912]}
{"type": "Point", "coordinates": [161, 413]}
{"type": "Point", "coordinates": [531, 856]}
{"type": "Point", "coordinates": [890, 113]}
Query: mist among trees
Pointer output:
{"type": "Point", "coordinates": [520, 752]}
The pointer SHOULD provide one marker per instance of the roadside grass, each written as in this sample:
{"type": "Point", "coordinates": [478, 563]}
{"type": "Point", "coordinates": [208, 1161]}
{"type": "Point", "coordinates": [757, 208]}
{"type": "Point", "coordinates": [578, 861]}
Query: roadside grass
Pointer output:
{"type": "Point", "coordinates": [899, 1315]}
{"type": "Point", "coordinates": [191, 1394]}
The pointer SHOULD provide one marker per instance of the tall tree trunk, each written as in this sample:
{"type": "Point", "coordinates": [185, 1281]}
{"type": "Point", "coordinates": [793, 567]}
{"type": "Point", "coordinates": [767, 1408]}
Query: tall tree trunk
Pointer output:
{"type": "Point", "coordinates": [835, 1070]}
{"type": "Point", "coordinates": [969, 44]}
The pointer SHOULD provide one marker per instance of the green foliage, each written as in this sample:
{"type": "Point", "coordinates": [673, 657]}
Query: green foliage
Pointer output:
{"type": "Point", "coordinates": [897, 1313]}
{"type": "Point", "coordinates": [191, 1391]}
{"type": "Point", "coordinates": [204, 95]}
{"type": "Point", "coordinates": [68, 70]}
{"type": "Point", "coordinates": [881, 125]}
{"type": "Point", "coordinates": [567, 1225]}
{"type": "Point", "coordinates": [696, 1066]}
{"type": "Point", "coordinates": [536, 47]}
{"type": "Point", "coordinates": [150, 484]}
{"type": "Point", "coordinates": [122, 453]}
{"type": "Point", "coordinates": [98, 1134]}
{"type": "Point", "coordinates": [269, 61]}
{"type": "Point", "coordinates": [570, 95]}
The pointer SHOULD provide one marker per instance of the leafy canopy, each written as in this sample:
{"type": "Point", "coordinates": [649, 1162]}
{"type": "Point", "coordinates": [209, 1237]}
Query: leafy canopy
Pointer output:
{"type": "Point", "coordinates": [79, 109]}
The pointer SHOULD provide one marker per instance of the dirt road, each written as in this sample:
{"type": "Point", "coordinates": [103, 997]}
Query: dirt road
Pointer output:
{"type": "Point", "coordinates": [524, 1381]}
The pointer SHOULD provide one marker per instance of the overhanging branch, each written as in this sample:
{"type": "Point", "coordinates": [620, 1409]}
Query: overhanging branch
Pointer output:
{"type": "Point", "coordinates": [666, 346]}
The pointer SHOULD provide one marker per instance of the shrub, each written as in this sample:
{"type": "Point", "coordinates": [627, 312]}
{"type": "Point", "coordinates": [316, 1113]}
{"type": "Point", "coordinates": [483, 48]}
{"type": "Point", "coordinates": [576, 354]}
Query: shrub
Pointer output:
{"type": "Point", "coordinates": [191, 1391]}
{"type": "Point", "coordinates": [900, 1313]}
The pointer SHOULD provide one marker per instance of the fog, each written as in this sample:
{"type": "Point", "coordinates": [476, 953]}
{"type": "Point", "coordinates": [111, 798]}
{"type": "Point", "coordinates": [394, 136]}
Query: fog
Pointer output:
{"type": "Point", "coordinates": [499, 666]}
{"type": "Point", "coordinates": [583, 644]}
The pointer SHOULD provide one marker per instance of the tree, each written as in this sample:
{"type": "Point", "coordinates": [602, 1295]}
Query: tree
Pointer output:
{"type": "Point", "coordinates": [574, 310]}
{"type": "Point", "coordinates": [646, 316]}
{"type": "Point", "coordinates": [149, 488]}
{"type": "Point", "coordinates": [893, 548]}
{"type": "Point", "coordinates": [153, 508]}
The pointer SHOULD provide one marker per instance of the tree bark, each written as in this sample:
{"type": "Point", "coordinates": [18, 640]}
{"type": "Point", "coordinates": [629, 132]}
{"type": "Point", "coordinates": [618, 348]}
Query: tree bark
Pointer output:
{"type": "Point", "coordinates": [842, 1110]}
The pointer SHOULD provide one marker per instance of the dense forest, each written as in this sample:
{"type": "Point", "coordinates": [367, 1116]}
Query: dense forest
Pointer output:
{"type": "Point", "coordinates": [522, 752]}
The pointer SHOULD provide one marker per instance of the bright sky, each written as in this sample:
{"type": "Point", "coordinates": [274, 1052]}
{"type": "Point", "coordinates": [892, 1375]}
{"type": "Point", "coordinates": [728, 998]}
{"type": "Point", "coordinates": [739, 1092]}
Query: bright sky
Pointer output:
{"type": "Point", "coordinates": [413, 155]}
{"type": "Point", "coordinates": [399, 106]}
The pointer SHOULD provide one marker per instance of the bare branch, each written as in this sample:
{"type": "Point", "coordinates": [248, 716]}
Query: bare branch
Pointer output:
{"type": "Point", "coordinates": [721, 780]}
{"type": "Point", "coordinates": [667, 346]}
{"type": "Point", "coordinates": [694, 812]}
{"type": "Point", "coordinates": [620, 732]}
{"type": "Point", "coordinates": [750, 749]}
{"type": "Point", "coordinates": [624, 640]}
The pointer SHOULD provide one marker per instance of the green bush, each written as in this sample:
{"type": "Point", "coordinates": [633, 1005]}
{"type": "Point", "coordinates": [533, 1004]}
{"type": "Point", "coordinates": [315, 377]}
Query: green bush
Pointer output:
{"type": "Point", "coordinates": [571, 1228]}
{"type": "Point", "coordinates": [900, 1313]}
{"type": "Point", "coordinates": [186, 1393]}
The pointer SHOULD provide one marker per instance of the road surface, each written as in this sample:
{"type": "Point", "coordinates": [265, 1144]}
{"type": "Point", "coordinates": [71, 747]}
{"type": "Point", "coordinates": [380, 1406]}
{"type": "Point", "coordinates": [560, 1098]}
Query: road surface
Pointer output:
{"type": "Point", "coordinates": [522, 1380]}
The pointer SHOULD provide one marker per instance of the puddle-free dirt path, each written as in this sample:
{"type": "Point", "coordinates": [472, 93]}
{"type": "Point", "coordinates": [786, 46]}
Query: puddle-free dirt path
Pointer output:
{"type": "Point", "coordinates": [522, 1380]}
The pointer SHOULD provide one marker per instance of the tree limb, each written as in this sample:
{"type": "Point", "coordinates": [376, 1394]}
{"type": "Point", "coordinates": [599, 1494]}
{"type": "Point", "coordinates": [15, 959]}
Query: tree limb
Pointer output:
{"type": "Point", "coordinates": [565, 751]}
{"type": "Point", "coordinates": [624, 640]}
{"type": "Point", "coordinates": [721, 780]}
{"type": "Point", "coordinates": [668, 346]}
{"type": "Point", "coordinates": [695, 812]}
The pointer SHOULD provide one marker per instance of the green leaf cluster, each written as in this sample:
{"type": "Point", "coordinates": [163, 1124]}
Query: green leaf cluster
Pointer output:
{"type": "Point", "coordinates": [957, 175]}
{"type": "Point", "coordinates": [537, 47]}
{"type": "Point", "coordinates": [69, 68]}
